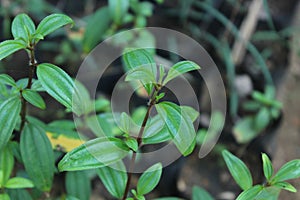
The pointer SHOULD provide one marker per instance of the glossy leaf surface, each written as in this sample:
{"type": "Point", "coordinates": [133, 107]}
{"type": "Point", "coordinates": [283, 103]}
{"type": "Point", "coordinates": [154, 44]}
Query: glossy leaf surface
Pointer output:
{"type": "Point", "coordinates": [93, 154]}
{"type": "Point", "coordinates": [37, 156]}
{"type": "Point", "coordinates": [149, 179]}
{"type": "Point", "coordinates": [238, 170]}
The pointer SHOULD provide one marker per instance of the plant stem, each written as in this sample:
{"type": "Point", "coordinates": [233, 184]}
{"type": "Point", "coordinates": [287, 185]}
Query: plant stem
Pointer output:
{"type": "Point", "coordinates": [32, 66]}
{"type": "Point", "coordinates": [139, 141]}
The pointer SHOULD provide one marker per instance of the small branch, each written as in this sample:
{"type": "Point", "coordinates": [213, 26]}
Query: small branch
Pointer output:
{"type": "Point", "coordinates": [32, 66]}
{"type": "Point", "coordinates": [139, 141]}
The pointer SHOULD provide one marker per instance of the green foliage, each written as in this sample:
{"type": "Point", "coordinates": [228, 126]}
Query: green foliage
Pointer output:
{"type": "Point", "coordinates": [179, 125]}
{"type": "Point", "coordinates": [200, 193]}
{"type": "Point", "coordinates": [78, 185]}
{"type": "Point", "coordinates": [140, 62]}
{"type": "Point", "coordinates": [9, 111]}
{"type": "Point", "coordinates": [238, 170]}
{"type": "Point", "coordinates": [52, 23]}
{"type": "Point", "coordinates": [118, 9]}
{"type": "Point", "coordinates": [8, 47]}
{"type": "Point", "coordinates": [34, 98]}
{"type": "Point", "coordinates": [114, 178]}
{"type": "Point", "coordinates": [266, 110]}
{"type": "Point", "coordinates": [149, 179]}
{"type": "Point", "coordinates": [37, 156]}
{"type": "Point", "coordinates": [59, 85]}
{"type": "Point", "coordinates": [269, 190]}
{"type": "Point", "coordinates": [94, 34]}
{"type": "Point", "coordinates": [180, 68]}
{"type": "Point", "coordinates": [93, 154]}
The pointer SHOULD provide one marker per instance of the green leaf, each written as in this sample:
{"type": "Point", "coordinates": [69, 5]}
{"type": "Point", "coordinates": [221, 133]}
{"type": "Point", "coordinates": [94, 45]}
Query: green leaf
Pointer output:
{"type": "Point", "coordinates": [93, 154]}
{"type": "Point", "coordinates": [127, 125]}
{"type": "Point", "coordinates": [244, 131]}
{"type": "Point", "coordinates": [94, 34]}
{"type": "Point", "coordinates": [180, 126]}
{"type": "Point", "coordinates": [19, 194]}
{"type": "Point", "coordinates": [4, 196]}
{"type": "Point", "coordinates": [262, 119]}
{"type": "Point", "coordinates": [267, 166]}
{"type": "Point", "coordinates": [34, 98]}
{"type": "Point", "coordinates": [180, 68]}
{"type": "Point", "coordinates": [145, 8]}
{"type": "Point", "coordinates": [285, 186]}
{"type": "Point", "coordinates": [156, 131]}
{"type": "Point", "coordinates": [191, 112]}
{"type": "Point", "coordinates": [238, 170]}
{"type": "Point", "coordinates": [9, 114]}
{"type": "Point", "coordinates": [134, 58]}
{"type": "Point", "coordinates": [22, 27]}
{"type": "Point", "coordinates": [290, 170]}
{"type": "Point", "coordinates": [83, 100]}
{"type": "Point", "coordinates": [149, 179]}
{"type": "Point", "coordinates": [37, 86]}
{"type": "Point", "coordinates": [18, 182]}
{"type": "Point", "coordinates": [8, 47]}
{"type": "Point", "coordinates": [141, 73]}
{"type": "Point", "coordinates": [78, 185]}
{"type": "Point", "coordinates": [200, 193]}
{"type": "Point", "coordinates": [168, 198]}
{"type": "Point", "coordinates": [118, 9]}
{"type": "Point", "coordinates": [268, 193]}
{"type": "Point", "coordinates": [6, 164]}
{"type": "Point", "coordinates": [7, 80]}
{"type": "Point", "coordinates": [52, 23]}
{"type": "Point", "coordinates": [250, 193]}
{"type": "Point", "coordinates": [114, 178]}
{"type": "Point", "coordinates": [59, 85]}
{"type": "Point", "coordinates": [37, 156]}
{"type": "Point", "coordinates": [132, 143]}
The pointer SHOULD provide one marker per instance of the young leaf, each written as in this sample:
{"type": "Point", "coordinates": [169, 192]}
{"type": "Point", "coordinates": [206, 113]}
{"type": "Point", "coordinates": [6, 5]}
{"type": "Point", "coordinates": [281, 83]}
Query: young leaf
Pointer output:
{"type": "Point", "coordinates": [78, 185]}
{"type": "Point", "coordinates": [262, 119]}
{"type": "Point", "coordinates": [250, 193]}
{"type": "Point", "coordinates": [134, 58]}
{"type": "Point", "coordinates": [149, 179]}
{"type": "Point", "coordinates": [179, 125]}
{"type": "Point", "coordinates": [285, 186]}
{"type": "Point", "coordinates": [267, 166]}
{"type": "Point", "coordinates": [132, 143]}
{"type": "Point", "coordinates": [52, 23]}
{"type": "Point", "coordinates": [117, 9]}
{"type": "Point", "coordinates": [37, 156]}
{"type": "Point", "coordinates": [18, 182]}
{"type": "Point", "coordinates": [8, 47]}
{"type": "Point", "coordinates": [7, 80]}
{"type": "Point", "coordinates": [199, 193]}
{"type": "Point", "coordinates": [34, 98]}
{"type": "Point", "coordinates": [244, 130]}
{"type": "Point", "coordinates": [141, 73]}
{"type": "Point", "coordinates": [9, 114]}
{"type": "Point", "coordinates": [180, 68]}
{"type": "Point", "coordinates": [290, 170]}
{"type": "Point", "coordinates": [6, 164]}
{"type": "Point", "coordinates": [114, 178]}
{"type": "Point", "coordinates": [93, 154]}
{"type": "Point", "coordinates": [238, 170]}
{"type": "Point", "coordinates": [58, 84]}
{"type": "Point", "coordinates": [22, 27]}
